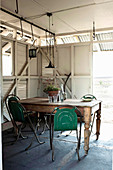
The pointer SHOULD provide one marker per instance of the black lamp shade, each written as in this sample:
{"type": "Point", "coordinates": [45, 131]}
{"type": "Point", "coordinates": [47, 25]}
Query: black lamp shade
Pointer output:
{"type": "Point", "coordinates": [32, 53]}
{"type": "Point", "coordinates": [50, 65]}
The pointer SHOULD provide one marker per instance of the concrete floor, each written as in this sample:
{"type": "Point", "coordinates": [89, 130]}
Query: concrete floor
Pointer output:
{"type": "Point", "coordinates": [99, 157]}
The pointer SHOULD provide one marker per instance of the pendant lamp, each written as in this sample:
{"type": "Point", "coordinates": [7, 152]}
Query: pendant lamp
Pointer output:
{"type": "Point", "coordinates": [32, 51]}
{"type": "Point", "coordinates": [50, 63]}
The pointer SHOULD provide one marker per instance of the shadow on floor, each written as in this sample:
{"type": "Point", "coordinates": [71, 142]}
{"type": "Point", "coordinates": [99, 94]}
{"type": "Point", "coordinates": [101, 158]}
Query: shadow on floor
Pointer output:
{"type": "Point", "coordinates": [39, 156]}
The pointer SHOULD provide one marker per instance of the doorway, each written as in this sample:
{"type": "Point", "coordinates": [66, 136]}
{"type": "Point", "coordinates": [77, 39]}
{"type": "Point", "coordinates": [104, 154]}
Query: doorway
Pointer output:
{"type": "Point", "coordinates": [103, 82]}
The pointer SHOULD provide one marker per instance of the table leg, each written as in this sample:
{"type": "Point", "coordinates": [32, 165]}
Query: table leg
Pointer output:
{"type": "Point", "coordinates": [98, 122]}
{"type": "Point", "coordinates": [87, 120]}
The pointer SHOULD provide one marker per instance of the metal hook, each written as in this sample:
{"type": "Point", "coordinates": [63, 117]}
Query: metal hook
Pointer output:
{"type": "Point", "coordinates": [16, 7]}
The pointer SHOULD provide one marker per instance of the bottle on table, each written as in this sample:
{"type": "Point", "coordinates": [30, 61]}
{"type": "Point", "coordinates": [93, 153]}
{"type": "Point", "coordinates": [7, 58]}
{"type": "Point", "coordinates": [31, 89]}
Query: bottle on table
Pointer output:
{"type": "Point", "coordinates": [62, 93]}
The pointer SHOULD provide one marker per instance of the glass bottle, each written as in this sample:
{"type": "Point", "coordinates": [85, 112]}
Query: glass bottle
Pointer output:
{"type": "Point", "coordinates": [62, 93]}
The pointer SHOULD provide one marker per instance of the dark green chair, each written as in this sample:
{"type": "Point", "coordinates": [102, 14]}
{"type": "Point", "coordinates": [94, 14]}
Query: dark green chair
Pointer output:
{"type": "Point", "coordinates": [89, 96]}
{"type": "Point", "coordinates": [64, 119]}
{"type": "Point", "coordinates": [8, 100]}
{"type": "Point", "coordinates": [19, 114]}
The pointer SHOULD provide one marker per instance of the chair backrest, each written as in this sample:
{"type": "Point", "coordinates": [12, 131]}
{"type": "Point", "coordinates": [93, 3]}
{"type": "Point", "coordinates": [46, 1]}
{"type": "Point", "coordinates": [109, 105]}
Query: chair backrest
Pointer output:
{"type": "Point", "coordinates": [65, 119]}
{"type": "Point", "coordinates": [89, 96]}
{"type": "Point", "coordinates": [15, 108]}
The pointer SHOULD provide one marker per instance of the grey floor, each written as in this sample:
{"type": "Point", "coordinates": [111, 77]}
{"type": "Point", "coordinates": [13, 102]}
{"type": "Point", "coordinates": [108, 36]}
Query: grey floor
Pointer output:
{"type": "Point", "coordinates": [99, 157]}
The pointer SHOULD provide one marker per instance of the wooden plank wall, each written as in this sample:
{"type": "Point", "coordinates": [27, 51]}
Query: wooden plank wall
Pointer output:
{"type": "Point", "coordinates": [74, 58]}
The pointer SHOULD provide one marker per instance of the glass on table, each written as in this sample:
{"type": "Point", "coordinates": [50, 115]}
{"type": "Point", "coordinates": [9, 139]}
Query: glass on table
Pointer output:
{"type": "Point", "coordinates": [50, 99]}
{"type": "Point", "coordinates": [55, 98]}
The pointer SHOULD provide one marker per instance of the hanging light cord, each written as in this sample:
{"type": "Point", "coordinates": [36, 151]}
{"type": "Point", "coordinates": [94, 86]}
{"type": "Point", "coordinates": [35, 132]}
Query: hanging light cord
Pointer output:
{"type": "Point", "coordinates": [21, 27]}
{"type": "Point", "coordinates": [49, 40]}
{"type": "Point", "coordinates": [46, 42]}
{"type": "Point", "coordinates": [32, 32]}
{"type": "Point", "coordinates": [93, 30]}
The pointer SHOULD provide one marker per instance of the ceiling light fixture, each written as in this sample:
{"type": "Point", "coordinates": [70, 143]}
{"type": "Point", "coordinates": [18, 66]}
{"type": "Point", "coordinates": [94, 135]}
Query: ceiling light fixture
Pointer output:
{"type": "Point", "coordinates": [50, 48]}
{"type": "Point", "coordinates": [32, 51]}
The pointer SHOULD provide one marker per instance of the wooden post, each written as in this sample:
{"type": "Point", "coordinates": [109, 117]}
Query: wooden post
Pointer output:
{"type": "Point", "coordinates": [15, 65]}
{"type": "Point", "coordinates": [1, 115]}
{"type": "Point", "coordinates": [28, 71]}
{"type": "Point", "coordinates": [72, 70]}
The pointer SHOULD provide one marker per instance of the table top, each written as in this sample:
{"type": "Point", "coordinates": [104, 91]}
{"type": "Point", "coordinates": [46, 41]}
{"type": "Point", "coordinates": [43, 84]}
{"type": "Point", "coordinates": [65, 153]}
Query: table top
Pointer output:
{"type": "Point", "coordinates": [67, 102]}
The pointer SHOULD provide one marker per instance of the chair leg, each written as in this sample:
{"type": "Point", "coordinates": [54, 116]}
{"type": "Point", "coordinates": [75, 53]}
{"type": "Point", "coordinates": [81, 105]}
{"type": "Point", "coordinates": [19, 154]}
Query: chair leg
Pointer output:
{"type": "Point", "coordinates": [46, 122]}
{"type": "Point", "coordinates": [38, 121]}
{"type": "Point", "coordinates": [59, 134]}
{"type": "Point", "coordinates": [19, 134]}
{"type": "Point", "coordinates": [23, 125]}
{"type": "Point", "coordinates": [65, 135]}
{"type": "Point", "coordinates": [78, 147]}
{"type": "Point", "coordinates": [50, 137]}
{"type": "Point", "coordinates": [78, 144]}
{"type": "Point", "coordinates": [51, 132]}
{"type": "Point", "coordinates": [45, 125]}
{"type": "Point", "coordinates": [34, 131]}
{"type": "Point", "coordinates": [53, 153]}
{"type": "Point", "coordinates": [77, 150]}
{"type": "Point", "coordinates": [77, 134]}
{"type": "Point", "coordinates": [52, 142]}
{"type": "Point", "coordinates": [23, 137]}
{"type": "Point", "coordinates": [69, 133]}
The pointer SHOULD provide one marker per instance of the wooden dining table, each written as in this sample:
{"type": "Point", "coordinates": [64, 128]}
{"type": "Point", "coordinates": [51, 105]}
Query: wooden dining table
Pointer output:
{"type": "Point", "coordinates": [88, 109]}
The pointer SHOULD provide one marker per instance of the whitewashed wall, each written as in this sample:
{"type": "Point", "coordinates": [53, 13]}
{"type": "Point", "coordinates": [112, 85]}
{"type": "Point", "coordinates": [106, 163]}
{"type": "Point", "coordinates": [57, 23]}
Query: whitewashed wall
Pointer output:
{"type": "Point", "coordinates": [21, 56]}
{"type": "Point", "coordinates": [64, 60]}
{"type": "Point", "coordinates": [21, 61]}
{"type": "Point", "coordinates": [24, 84]}
{"type": "Point", "coordinates": [82, 70]}
{"type": "Point", "coordinates": [77, 59]}
{"type": "Point", "coordinates": [74, 58]}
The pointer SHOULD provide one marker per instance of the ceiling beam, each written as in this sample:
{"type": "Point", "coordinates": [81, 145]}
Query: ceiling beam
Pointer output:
{"type": "Point", "coordinates": [23, 19]}
{"type": "Point", "coordinates": [17, 28]}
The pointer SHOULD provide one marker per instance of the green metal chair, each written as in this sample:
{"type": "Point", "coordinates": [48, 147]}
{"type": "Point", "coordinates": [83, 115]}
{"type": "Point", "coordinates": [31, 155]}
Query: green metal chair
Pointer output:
{"type": "Point", "coordinates": [64, 119]}
{"type": "Point", "coordinates": [89, 96]}
{"type": "Point", "coordinates": [19, 114]}
{"type": "Point", "coordinates": [8, 100]}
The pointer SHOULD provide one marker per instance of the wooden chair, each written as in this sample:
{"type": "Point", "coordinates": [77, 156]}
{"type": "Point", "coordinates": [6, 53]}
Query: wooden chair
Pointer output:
{"type": "Point", "coordinates": [64, 119]}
